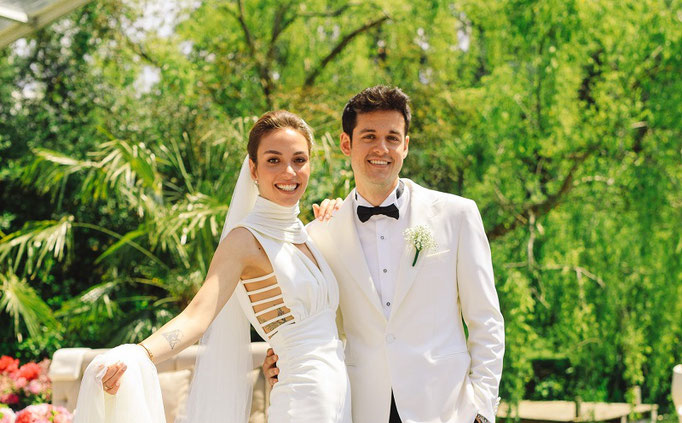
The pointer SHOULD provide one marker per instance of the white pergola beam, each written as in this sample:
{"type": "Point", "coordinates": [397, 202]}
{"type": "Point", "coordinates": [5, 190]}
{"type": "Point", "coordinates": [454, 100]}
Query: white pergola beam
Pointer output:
{"type": "Point", "coordinates": [13, 14]}
{"type": "Point", "coordinates": [37, 20]}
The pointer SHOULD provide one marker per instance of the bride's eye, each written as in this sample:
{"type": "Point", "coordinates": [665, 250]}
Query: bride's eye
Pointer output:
{"type": "Point", "coordinates": [273, 160]}
{"type": "Point", "coordinates": [301, 160]}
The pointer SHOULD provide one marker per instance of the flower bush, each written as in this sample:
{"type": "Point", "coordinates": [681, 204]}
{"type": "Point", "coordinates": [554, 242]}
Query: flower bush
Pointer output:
{"type": "Point", "coordinates": [44, 413]}
{"type": "Point", "coordinates": [7, 415]}
{"type": "Point", "coordinates": [24, 385]}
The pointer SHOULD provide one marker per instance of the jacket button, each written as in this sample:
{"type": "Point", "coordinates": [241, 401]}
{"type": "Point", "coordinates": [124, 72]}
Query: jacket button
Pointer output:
{"type": "Point", "coordinates": [390, 338]}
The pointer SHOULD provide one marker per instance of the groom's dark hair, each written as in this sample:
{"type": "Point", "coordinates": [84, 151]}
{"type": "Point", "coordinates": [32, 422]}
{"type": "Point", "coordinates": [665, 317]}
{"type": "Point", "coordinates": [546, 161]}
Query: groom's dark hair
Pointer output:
{"type": "Point", "coordinates": [380, 97]}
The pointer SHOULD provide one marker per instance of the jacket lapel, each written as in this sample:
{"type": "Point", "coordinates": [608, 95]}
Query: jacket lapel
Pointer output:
{"type": "Point", "coordinates": [343, 237]}
{"type": "Point", "coordinates": [421, 212]}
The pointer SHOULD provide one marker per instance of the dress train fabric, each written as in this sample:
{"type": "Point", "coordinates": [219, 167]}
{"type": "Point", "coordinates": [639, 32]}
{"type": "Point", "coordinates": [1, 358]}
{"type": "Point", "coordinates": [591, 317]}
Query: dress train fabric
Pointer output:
{"type": "Point", "coordinates": [221, 389]}
{"type": "Point", "coordinates": [139, 397]}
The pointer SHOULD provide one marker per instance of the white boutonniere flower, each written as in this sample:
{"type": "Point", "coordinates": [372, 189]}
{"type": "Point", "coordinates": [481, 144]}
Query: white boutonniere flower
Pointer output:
{"type": "Point", "coordinates": [421, 237]}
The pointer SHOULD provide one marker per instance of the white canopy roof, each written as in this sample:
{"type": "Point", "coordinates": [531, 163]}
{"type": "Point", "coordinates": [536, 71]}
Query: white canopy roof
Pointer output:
{"type": "Point", "coordinates": [18, 18]}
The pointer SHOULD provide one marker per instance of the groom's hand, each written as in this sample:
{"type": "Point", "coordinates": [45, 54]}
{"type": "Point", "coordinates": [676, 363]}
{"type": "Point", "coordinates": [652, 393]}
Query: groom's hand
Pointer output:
{"type": "Point", "coordinates": [326, 209]}
{"type": "Point", "coordinates": [270, 369]}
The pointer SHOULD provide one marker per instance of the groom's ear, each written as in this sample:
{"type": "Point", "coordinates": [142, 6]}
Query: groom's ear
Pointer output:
{"type": "Point", "coordinates": [345, 143]}
{"type": "Point", "coordinates": [406, 146]}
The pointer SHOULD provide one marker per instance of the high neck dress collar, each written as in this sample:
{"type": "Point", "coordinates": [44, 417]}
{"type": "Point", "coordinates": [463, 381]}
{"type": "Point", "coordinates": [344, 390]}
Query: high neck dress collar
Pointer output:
{"type": "Point", "coordinates": [276, 221]}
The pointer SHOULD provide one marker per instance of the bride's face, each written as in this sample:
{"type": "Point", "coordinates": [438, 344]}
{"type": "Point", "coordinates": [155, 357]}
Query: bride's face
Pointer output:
{"type": "Point", "coordinates": [283, 166]}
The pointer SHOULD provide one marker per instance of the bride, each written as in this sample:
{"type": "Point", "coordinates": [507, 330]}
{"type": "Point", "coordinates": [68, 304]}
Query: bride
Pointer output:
{"type": "Point", "coordinates": [265, 272]}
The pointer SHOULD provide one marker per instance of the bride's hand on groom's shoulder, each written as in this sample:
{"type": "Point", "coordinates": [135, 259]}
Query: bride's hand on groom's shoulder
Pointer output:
{"type": "Point", "coordinates": [325, 210]}
{"type": "Point", "coordinates": [270, 369]}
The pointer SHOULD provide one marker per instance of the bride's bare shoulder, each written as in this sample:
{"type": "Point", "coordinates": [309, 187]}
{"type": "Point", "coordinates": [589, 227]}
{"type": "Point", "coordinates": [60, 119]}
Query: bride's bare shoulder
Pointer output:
{"type": "Point", "coordinates": [241, 242]}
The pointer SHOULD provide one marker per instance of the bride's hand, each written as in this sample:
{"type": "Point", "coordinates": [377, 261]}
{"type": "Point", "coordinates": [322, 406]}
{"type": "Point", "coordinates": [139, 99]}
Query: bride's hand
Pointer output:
{"type": "Point", "coordinates": [111, 380]}
{"type": "Point", "coordinates": [326, 209]}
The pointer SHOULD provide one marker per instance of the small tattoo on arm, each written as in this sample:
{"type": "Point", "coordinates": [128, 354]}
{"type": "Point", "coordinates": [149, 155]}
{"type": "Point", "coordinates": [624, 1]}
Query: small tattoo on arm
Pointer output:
{"type": "Point", "coordinates": [173, 337]}
{"type": "Point", "coordinates": [272, 326]}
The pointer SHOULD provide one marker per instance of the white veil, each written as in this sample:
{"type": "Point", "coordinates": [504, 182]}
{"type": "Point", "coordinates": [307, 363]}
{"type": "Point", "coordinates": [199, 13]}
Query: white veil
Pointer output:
{"type": "Point", "coordinates": [221, 388]}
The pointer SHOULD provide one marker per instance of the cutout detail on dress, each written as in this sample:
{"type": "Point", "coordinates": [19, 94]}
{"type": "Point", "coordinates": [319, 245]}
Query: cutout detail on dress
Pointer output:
{"type": "Point", "coordinates": [267, 302]}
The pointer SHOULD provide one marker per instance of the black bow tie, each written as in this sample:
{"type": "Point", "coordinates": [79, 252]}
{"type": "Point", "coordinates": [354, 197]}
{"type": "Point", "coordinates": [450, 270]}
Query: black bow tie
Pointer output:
{"type": "Point", "coordinates": [364, 213]}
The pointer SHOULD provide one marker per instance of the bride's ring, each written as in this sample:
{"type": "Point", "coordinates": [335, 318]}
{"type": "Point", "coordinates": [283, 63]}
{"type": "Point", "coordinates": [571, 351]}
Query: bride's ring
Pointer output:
{"type": "Point", "coordinates": [106, 388]}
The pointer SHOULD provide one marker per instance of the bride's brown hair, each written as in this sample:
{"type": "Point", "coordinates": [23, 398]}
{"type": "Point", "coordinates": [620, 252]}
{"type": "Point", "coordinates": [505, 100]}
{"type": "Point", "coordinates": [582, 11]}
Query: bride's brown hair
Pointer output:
{"type": "Point", "coordinates": [272, 121]}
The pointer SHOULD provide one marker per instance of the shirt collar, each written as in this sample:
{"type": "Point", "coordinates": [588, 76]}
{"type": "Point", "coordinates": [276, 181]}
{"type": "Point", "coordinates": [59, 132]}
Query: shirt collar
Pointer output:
{"type": "Point", "coordinates": [359, 200]}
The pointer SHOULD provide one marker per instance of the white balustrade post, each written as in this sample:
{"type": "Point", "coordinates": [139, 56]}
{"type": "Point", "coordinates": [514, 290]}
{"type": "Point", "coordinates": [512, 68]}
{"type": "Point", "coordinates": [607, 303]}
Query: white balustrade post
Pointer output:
{"type": "Point", "coordinates": [677, 390]}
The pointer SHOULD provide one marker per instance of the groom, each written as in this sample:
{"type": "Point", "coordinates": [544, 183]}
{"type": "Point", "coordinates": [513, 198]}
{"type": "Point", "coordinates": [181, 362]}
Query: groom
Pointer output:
{"type": "Point", "coordinates": [404, 305]}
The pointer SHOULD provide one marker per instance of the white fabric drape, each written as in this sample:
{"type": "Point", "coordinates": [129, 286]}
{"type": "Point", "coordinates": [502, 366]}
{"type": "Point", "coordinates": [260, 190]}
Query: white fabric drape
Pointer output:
{"type": "Point", "coordinates": [221, 388]}
{"type": "Point", "coordinates": [138, 399]}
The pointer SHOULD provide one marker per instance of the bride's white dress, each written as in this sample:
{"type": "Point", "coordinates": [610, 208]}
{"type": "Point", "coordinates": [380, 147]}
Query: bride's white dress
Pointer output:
{"type": "Point", "coordinates": [293, 308]}
{"type": "Point", "coordinates": [313, 384]}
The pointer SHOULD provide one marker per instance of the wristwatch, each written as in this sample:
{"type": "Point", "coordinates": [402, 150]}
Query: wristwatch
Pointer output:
{"type": "Point", "coordinates": [481, 419]}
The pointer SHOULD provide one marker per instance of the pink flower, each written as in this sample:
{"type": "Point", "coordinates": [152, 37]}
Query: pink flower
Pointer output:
{"type": "Point", "coordinates": [34, 387]}
{"type": "Point", "coordinates": [20, 382]}
{"type": "Point", "coordinates": [44, 413]}
{"type": "Point", "coordinates": [6, 384]}
{"type": "Point", "coordinates": [30, 371]}
{"type": "Point", "coordinates": [7, 415]}
{"type": "Point", "coordinates": [9, 399]}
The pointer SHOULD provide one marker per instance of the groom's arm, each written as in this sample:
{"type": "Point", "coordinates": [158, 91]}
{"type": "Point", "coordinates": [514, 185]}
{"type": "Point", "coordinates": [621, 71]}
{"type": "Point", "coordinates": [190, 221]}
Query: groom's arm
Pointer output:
{"type": "Point", "coordinates": [480, 310]}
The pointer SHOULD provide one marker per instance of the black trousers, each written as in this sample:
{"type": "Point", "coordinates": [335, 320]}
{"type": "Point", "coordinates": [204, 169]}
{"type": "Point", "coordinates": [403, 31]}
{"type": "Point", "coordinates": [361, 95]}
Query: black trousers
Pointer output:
{"type": "Point", "coordinates": [394, 417]}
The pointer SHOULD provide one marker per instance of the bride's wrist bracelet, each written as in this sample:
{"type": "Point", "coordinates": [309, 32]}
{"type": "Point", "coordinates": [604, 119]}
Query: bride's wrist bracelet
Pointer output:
{"type": "Point", "coordinates": [149, 353]}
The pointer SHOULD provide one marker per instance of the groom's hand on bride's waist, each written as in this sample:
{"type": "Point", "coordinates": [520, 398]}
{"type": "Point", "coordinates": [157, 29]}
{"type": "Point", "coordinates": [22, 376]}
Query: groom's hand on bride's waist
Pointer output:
{"type": "Point", "coordinates": [270, 369]}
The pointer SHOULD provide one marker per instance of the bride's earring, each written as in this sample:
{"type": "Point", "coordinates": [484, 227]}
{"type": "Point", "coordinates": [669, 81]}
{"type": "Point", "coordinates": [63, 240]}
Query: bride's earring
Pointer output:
{"type": "Point", "coordinates": [255, 181]}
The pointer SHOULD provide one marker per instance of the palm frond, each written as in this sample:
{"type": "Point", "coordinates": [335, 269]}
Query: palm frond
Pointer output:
{"type": "Point", "coordinates": [96, 301]}
{"type": "Point", "coordinates": [22, 303]}
{"type": "Point", "coordinates": [189, 228]}
{"type": "Point", "coordinates": [38, 239]}
{"type": "Point", "coordinates": [138, 326]}
{"type": "Point", "coordinates": [50, 171]}
{"type": "Point", "coordinates": [129, 165]}
{"type": "Point", "coordinates": [126, 240]}
{"type": "Point", "coordinates": [126, 170]}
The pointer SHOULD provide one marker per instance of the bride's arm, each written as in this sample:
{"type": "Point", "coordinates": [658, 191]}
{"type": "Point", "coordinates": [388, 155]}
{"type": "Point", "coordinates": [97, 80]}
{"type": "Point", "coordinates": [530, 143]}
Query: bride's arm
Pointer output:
{"type": "Point", "coordinates": [235, 253]}
{"type": "Point", "coordinates": [228, 263]}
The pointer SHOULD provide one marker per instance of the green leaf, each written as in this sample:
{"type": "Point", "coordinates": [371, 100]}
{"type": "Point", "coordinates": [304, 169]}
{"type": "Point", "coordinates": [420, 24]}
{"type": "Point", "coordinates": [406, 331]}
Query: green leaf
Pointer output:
{"type": "Point", "coordinates": [124, 241]}
{"type": "Point", "coordinates": [36, 240]}
{"type": "Point", "coordinates": [23, 304]}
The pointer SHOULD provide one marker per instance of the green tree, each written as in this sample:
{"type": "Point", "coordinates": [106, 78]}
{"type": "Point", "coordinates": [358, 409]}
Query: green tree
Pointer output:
{"type": "Point", "coordinates": [560, 118]}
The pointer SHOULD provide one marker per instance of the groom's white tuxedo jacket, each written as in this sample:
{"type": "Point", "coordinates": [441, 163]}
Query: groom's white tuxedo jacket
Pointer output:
{"type": "Point", "coordinates": [420, 352]}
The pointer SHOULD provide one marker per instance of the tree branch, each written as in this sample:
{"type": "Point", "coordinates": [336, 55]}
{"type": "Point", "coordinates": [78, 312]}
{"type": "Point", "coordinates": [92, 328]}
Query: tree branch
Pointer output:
{"type": "Point", "coordinates": [340, 46]}
{"type": "Point", "coordinates": [261, 68]}
{"type": "Point", "coordinates": [279, 24]}
{"type": "Point", "coordinates": [245, 28]}
{"type": "Point", "coordinates": [327, 13]}
{"type": "Point", "coordinates": [542, 208]}
{"type": "Point", "coordinates": [579, 272]}
{"type": "Point", "coordinates": [140, 51]}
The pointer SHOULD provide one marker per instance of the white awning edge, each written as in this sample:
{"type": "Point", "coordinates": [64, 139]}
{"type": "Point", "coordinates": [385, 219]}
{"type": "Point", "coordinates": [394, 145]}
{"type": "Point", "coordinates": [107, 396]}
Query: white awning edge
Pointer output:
{"type": "Point", "coordinates": [13, 14]}
{"type": "Point", "coordinates": [36, 20]}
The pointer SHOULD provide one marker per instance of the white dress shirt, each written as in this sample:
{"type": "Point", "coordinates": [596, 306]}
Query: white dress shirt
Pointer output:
{"type": "Point", "coordinates": [382, 242]}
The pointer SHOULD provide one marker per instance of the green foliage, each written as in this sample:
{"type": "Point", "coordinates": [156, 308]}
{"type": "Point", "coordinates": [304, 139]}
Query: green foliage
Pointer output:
{"type": "Point", "coordinates": [560, 118]}
{"type": "Point", "coordinates": [24, 305]}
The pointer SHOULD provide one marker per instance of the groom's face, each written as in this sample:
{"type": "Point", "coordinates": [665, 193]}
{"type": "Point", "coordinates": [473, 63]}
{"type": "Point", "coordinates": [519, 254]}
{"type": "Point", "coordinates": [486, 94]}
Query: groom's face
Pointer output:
{"type": "Point", "coordinates": [377, 149]}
